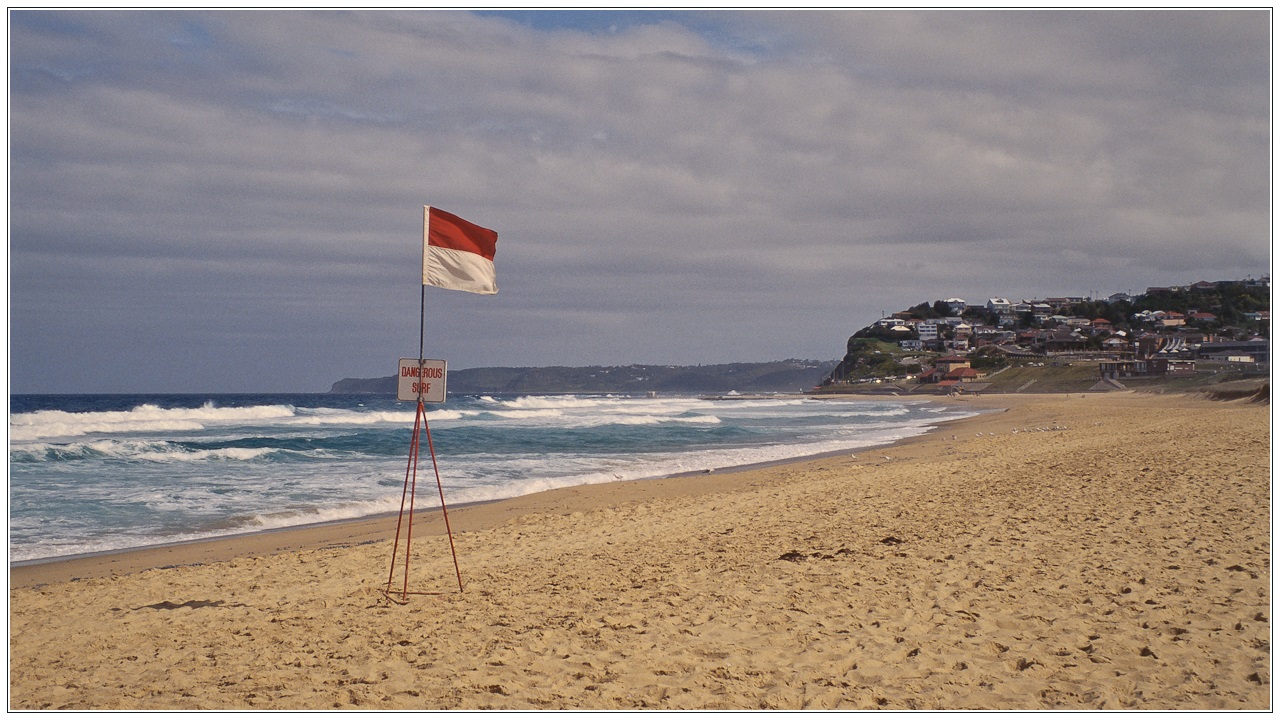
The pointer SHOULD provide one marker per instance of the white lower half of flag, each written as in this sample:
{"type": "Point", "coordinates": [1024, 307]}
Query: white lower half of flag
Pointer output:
{"type": "Point", "coordinates": [458, 270]}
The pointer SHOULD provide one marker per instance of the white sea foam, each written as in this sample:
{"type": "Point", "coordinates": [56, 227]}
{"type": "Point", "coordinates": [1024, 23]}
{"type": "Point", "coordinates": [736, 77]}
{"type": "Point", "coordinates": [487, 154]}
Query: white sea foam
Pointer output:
{"type": "Point", "coordinates": [303, 418]}
{"type": "Point", "coordinates": [659, 419]}
{"type": "Point", "coordinates": [571, 411]}
{"type": "Point", "coordinates": [526, 414]}
{"type": "Point", "coordinates": [170, 455]}
{"type": "Point", "coordinates": [345, 511]}
{"type": "Point", "coordinates": [144, 418]}
{"type": "Point", "coordinates": [150, 419]}
{"type": "Point", "coordinates": [529, 402]}
{"type": "Point", "coordinates": [137, 450]}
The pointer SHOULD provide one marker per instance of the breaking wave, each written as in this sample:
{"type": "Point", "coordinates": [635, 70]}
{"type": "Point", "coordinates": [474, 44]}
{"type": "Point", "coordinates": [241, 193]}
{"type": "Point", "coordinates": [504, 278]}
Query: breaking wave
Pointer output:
{"type": "Point", "coordinates": [142, 419]}
{"type": "Point", "coordinates": [111, 472]}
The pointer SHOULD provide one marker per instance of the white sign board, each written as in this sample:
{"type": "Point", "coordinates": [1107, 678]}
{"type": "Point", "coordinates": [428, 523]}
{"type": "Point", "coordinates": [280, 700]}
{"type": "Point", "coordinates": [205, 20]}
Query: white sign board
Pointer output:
{"type": "Point", "coordinates": [423, 378]}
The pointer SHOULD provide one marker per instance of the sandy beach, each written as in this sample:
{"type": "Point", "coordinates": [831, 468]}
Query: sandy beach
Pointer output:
{"type": "Point", "coordinates": [1063, 551]}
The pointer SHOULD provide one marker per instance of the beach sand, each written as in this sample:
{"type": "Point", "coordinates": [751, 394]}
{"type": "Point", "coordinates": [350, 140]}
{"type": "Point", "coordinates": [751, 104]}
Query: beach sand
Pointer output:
{"type": "Point", "coordinates": [1112, 553]}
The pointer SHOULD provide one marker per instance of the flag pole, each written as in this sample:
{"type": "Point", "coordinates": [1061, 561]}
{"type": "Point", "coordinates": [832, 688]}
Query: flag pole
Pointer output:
{"type": "Point", "coordinates": [420, 427]}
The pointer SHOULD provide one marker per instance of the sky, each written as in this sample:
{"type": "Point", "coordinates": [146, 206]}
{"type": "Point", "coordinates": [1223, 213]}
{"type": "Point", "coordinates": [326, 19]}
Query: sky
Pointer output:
{"type": "Point", "coordinates": [231, 201]}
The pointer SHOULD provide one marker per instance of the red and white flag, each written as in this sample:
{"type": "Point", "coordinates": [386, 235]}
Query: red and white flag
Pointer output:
{"type": "Point", "coordinates": [456, 254]}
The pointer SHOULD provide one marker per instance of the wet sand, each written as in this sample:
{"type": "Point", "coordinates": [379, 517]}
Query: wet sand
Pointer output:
{"type": "Point", "coordinates": [1075, 552]}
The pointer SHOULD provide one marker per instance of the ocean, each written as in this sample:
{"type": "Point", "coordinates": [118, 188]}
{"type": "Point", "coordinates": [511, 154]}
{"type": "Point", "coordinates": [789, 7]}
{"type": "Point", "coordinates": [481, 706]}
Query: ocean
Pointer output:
{"type": "Point", "coordinates": [96, 473]}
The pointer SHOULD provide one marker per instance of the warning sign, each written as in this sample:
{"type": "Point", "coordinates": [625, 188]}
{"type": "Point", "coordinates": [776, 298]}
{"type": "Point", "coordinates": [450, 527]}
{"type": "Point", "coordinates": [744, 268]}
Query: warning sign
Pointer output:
{"type": "Point", "coordinates": [421, 378]}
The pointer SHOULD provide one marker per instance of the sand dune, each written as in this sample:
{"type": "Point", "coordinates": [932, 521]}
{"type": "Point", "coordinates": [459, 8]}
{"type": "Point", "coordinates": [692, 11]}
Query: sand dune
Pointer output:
{"type": "Point", "coordinates": [1108, 551]}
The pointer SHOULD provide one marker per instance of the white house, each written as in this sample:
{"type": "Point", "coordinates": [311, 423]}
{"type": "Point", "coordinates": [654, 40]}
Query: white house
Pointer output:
{"type": "Point", "coordinates": [889, 322]}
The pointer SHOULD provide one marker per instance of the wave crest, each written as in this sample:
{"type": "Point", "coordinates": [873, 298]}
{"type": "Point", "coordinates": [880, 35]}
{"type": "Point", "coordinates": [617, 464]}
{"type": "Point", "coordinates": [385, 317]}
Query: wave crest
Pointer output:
{"type": "Point", "coordinates": [143, 451]}
{"type": "Point", "coordinates": [42, 424]}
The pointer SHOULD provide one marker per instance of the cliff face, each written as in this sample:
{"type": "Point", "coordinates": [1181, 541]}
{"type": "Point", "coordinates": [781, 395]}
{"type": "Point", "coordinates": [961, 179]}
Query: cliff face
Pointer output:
{"type": "Point", "coordinates": [781, 376]}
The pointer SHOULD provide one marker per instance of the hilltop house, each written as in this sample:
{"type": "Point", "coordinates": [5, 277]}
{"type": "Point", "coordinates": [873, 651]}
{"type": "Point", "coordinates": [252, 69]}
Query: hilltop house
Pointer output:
{"type": "Point", "coordinates": [1161, 318]}
{"type": "Point", "coordinates": [1001, 306]}
{"type": "Point", "coordinates": [889, 322]}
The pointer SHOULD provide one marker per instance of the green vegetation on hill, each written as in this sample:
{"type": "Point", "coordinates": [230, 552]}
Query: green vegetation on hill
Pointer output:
{"type": "Point", "coordinates": [1228, 301]}
{"type": "Point", "coordinates": [870, 358]}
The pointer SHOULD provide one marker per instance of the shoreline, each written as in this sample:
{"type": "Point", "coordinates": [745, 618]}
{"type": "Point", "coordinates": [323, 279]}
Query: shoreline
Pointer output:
{"type": "Point", "coordinates": [373, 528]}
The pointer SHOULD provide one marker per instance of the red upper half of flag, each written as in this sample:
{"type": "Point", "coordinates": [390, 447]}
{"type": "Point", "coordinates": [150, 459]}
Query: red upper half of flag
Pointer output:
{"type": "Point", "coordinates": [447, 230]}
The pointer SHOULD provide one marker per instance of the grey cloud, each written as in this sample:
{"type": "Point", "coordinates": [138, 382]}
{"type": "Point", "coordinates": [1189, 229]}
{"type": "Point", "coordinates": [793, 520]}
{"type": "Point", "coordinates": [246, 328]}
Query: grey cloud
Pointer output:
{"type": "Point", "coordinates": [696, 187]}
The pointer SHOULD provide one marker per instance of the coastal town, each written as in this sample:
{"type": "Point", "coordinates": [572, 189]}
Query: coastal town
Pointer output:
{"type": "Point", "coordinates": [953, 345]}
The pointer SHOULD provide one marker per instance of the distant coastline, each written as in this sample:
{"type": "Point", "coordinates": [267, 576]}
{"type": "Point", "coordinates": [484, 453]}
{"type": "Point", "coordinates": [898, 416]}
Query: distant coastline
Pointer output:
{"type": "Point", "coordinates": [778, 376]}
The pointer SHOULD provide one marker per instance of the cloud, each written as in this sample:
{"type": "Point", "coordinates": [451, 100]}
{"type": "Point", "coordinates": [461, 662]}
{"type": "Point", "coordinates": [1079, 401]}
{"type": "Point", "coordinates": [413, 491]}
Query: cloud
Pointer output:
{"type": "Point", "coordinates": [668, 187]}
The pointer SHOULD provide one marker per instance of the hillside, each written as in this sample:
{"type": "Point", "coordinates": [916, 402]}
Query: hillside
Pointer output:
{"type": "Point", "coordinates": [779, 376]}
{"type": "Point", "coordinates": [1170, 337]}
